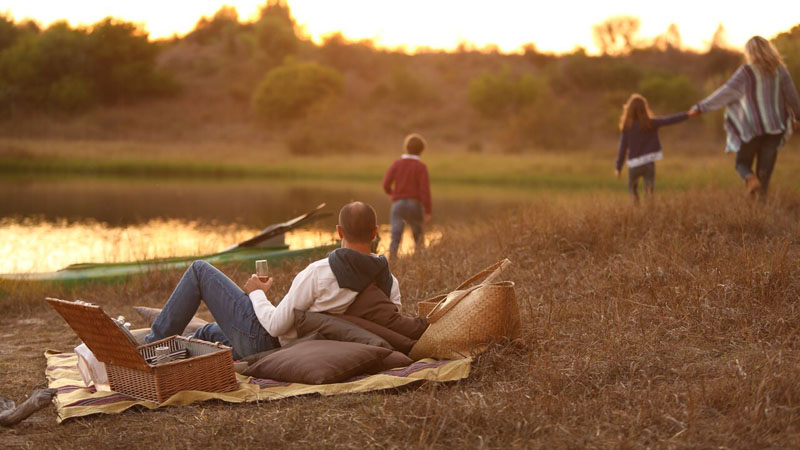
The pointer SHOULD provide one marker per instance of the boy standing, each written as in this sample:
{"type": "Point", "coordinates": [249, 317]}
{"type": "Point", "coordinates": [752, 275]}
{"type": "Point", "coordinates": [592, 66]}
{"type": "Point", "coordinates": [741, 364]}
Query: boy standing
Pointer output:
{"type": "Point", "coordinates": [411, 194]}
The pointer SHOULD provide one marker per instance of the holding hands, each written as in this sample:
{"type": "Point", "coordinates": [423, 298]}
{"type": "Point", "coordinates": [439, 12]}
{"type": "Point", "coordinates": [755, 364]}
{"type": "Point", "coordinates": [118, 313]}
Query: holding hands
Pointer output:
{"type": "Point", "coordinates": [694, 111]}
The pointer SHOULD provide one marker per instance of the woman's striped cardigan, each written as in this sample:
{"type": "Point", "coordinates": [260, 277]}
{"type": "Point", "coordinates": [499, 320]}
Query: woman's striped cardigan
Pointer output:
{"type": "Point", "coordinates": [756, 104]}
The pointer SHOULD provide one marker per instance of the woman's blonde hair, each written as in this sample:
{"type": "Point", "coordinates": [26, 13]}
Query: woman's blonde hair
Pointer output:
{"type": "Point", "coordinates": [636, 108]}
{"type": "Point", "coordinates": [762, 54]}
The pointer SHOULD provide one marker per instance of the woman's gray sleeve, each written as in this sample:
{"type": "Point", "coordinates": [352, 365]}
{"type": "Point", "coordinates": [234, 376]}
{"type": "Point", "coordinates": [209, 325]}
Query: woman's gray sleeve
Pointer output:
{"type": "Point", "coordinates": [731, 91]}
{"type": "Point", "coordinates": [789, 92]}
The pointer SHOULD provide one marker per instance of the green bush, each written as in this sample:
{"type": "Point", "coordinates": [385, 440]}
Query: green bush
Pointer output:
{"type": "Point", "coordinates": [68, 68]}
{"type": "Point", "coordinates": [71, 93]}
{"type": "Point", "coordinates": [578, 71]}
{"type": "Point", "coordinates": [288, 91]}
{"type": "Point", "coordinates": [552, 122]}
{"type": "Point", "coordinates": [406, 89]}
{"type": "Point", "coordinates": [788, 44]}
{"type": "Point", "coordinates": [670, 92]}
{"type": "Point", "coordinates": [501, 94]}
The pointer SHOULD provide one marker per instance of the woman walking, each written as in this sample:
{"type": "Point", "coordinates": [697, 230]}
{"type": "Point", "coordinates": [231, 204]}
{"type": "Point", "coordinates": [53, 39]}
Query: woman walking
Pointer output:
{"type": "Point", "coordinates": [762, 108]}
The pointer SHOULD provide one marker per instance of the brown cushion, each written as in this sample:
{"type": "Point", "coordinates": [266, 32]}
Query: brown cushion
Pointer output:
{"type": "Point", "coordinates": [251, 359]}
{"type": "Point", "coordinates": [149, 315]}
{"type": "Point", "coordinates": [335, 329]}
{"type": "Point", "coordinates": [395, 360]}
{"type": "Point", "coordinates": [395, 339]}
{"type": "Point", "coordinates": [373, 305]}
{"type": "Point", "coordinates": [319, 362]}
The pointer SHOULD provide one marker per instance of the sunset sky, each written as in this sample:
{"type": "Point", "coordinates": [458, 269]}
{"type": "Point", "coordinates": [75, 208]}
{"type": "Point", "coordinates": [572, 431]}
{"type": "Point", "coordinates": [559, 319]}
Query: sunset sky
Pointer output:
{"type": "Point", "coordinates": [443, 24]}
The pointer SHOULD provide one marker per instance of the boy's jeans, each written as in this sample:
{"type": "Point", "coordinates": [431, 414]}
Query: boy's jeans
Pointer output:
{"type": "Point", "coordinates": [406, 210]}
{"type": "Point", "coordinates": [236, 323]}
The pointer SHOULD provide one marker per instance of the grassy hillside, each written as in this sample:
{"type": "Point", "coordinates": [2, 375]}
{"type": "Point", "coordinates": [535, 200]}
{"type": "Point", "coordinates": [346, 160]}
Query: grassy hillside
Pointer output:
{"type": "Point", "coordinates": [475, 100]}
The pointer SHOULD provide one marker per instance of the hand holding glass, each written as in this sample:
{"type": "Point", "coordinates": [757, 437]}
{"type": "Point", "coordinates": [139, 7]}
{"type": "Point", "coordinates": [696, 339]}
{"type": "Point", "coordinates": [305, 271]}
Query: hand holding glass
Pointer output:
{"type": "Point", "coordinates": [262, 270]}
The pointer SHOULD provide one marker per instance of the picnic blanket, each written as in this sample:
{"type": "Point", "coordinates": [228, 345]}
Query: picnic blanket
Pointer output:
{"type": "Point", "coordinates": [75, 399]}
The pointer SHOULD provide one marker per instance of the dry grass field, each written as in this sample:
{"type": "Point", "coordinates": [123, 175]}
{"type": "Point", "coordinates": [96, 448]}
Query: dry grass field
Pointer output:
{"type": "Point", "coordinates": [671, 325]}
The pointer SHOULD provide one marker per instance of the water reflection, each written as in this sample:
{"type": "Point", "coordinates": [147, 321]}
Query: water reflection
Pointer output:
{"type": "Point", "coordinates": [43, 246]}
{"type": "Point", "coordinates": [47, 224]}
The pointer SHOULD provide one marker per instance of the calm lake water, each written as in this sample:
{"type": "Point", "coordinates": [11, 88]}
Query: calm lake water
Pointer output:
{"type": "Point", "coordinates": [47, 225]}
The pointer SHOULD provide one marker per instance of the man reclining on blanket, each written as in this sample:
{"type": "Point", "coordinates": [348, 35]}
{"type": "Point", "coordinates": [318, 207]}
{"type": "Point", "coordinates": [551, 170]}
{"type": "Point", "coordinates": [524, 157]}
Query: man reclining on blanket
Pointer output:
{"type": "Point", "coordinates": [249, 323]}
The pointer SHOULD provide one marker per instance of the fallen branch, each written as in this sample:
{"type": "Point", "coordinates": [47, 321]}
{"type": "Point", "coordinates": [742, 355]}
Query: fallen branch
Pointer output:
{"type": "Point", "coordinates": [10, 414]}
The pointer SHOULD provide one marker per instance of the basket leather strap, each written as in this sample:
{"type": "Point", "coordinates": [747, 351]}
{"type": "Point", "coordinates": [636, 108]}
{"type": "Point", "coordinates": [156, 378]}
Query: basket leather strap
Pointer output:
{"type": "Point", "coordinates": [441, 308]}
{"type": "Point", "coordinates": [492, 271]}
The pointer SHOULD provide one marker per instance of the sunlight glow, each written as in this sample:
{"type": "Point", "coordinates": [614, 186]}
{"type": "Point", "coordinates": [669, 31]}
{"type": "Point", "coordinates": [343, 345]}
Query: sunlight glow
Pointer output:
{"type": "Point", "coordinates": [444, 24]}
{"type": "Point", "coordinates": [45, 246]}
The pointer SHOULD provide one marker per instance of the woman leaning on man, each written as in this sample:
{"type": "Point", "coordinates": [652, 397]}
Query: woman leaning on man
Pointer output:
{"type": "Point", "coordinates": [762, 110]}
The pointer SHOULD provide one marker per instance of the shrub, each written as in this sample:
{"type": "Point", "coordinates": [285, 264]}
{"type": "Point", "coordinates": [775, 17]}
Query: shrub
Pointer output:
{"type": "Point", "coordinates": [73, 68]}
{"type": "Point", "coordinates": [672, 92]}
{"type": "Point", "coordinates": [497, 95]}
{"type": "Point", "coordinates": [71, 93]}
{"type": "Point", "coordinates": [578, 71]}
{"type": "Point", "coordinates": [404, 89]}
{"type": "Point", "coordinates": [216, 28]}
{"type": "Point", "coordinates": [288, 91]}
{"type": "Point", "coordinates": [721, 61]}
{"type": "Point", "coordinates": [122, 63]}
{"type": "Point", "coordinates": [552, 122]}
{"type": "Point", "coordinates": [329, 130]}
{"type": "Point", "coordinates": [788, 44]}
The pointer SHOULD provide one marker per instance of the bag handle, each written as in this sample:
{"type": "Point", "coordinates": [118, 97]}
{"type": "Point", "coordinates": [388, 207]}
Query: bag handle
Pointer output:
{"type": "Point", "coordinates": [445, 302]}
{"type": "Point", "coordinates": [493, 272]}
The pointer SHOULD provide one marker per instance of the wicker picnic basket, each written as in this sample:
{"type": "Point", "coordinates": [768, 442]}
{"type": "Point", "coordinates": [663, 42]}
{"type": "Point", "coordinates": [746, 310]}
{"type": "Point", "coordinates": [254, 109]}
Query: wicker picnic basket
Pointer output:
{"type": "Point", "coordinates": [208, 368]}
{"type": "Point", "coordinates": [464, 321]}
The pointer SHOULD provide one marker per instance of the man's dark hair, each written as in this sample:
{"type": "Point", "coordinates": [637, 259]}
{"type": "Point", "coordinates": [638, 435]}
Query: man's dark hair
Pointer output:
{"type": "Point", "coordinates": [358, 220]}
{"type": "Point", "coordinates": [414, 144]}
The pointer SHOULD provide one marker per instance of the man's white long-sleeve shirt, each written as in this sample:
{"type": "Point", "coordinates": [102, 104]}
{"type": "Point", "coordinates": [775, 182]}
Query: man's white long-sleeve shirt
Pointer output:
{"type": "Point", "coordinates": [314, 289]}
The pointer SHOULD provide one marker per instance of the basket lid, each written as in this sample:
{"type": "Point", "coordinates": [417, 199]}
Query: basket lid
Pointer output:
{"type": "Point", "coordinates": [100, 333]}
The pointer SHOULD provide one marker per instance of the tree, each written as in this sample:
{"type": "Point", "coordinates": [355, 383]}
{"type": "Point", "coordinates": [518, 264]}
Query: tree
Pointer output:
{"type": "Point", "coordinates": [788, 44]}
{"type": "Point", "coordinates": [207, 30]}
{"type": "Point", "coordinates": [288, 91]}
{"type": "Point", "coordinates": [616, 35]}
{"type": "Point", "coordinates": [670, 40]}
{"type": "Point", "coordinates": [500, 94]}
{"type": "Point", "coordinates": [275, 34]}
{"type": "Point", "coordinates": [720, 38]}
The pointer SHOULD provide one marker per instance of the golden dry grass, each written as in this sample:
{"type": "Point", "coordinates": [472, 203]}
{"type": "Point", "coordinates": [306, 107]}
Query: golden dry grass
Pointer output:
{"type": "Point", "coordinates": [673, 325]}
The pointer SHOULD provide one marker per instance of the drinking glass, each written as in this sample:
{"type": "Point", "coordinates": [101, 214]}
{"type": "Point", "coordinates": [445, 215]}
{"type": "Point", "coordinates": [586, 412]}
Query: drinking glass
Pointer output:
{"type": "Point", "coordinates": [262, 270]}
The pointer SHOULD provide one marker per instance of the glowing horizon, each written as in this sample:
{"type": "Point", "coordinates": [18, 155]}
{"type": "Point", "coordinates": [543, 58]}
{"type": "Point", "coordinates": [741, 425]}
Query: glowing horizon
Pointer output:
{"type": "Point", "coordinates": [441, 25]}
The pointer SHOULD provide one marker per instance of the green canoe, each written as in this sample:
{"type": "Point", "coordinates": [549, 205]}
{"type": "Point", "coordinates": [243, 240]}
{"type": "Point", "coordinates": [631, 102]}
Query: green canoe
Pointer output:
{"type": "Point", "coordinates": [245, 256]}
{"type": "Point", "coordinates": [244, 253]}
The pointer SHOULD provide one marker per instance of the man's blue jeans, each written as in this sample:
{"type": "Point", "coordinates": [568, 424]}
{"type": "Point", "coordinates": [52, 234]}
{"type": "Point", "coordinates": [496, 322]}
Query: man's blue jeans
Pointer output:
{"type": "Point", "coordinates": [406, 211]}
{"type": "Point", "coordinates": [236, 323]}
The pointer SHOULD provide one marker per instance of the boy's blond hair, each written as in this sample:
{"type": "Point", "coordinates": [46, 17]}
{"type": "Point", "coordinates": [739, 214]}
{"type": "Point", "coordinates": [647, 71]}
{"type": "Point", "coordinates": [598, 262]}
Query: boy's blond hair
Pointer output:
{"type": "Point", "coordinates": [414, 144]}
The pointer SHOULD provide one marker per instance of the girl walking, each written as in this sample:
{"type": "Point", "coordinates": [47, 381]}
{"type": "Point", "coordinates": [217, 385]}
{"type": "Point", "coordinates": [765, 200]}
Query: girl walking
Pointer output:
{"type": "Point", "coordinates": [639, 140]}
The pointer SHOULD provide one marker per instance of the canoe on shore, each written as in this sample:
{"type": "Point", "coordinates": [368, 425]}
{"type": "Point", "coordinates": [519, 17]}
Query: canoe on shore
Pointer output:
{"type": "Point", "coordinates": [245, 256]}
{"type": "Point", "coordinates": [268, 244]}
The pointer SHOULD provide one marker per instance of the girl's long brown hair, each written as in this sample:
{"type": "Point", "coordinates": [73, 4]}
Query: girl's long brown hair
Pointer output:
{"type": "Point", "coordinates": [635, 108]}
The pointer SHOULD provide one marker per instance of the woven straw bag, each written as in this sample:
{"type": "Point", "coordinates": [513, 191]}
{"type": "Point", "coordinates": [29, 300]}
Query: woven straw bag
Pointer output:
{"type": "Point", "coordinates": [464, 321]}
